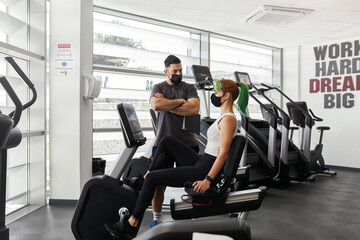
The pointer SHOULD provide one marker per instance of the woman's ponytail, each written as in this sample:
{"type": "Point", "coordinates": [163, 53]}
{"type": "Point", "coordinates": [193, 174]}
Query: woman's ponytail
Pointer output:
{"type": "Point", "coordinates": [243, 99]}
{"type": "Point", "coordinates": [239, 90]}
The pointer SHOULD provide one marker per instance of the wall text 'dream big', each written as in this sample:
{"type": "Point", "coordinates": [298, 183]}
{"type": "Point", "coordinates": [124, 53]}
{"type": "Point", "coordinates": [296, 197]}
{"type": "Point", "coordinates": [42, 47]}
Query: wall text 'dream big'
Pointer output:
{"type": "Point", "coordinates": [336, 67]}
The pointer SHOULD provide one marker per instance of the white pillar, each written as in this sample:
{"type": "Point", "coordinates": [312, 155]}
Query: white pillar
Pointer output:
{"type": "Point", "coordinates": [291, 73]}
{"type": "Point", "coordinates": [71, 48]}
{"type": "Point", "coordinates": [291, 80]}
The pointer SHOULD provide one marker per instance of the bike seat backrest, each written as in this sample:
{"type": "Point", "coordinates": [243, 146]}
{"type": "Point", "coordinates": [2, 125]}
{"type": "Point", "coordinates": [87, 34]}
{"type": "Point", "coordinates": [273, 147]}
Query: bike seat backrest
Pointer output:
{"type": "Point", "coordinates": [233, 160]}
{"type": "Point", "coordinates": [228, 172]}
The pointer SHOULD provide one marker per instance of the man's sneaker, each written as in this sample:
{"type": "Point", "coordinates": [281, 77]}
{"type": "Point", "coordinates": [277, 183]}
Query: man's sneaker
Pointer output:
{"type": "Point", "coordinates": [154, 223]}
{"type": "Point", "coordinates": [135, 182]}
{"type": "Point", "coordinates": [121, 229]}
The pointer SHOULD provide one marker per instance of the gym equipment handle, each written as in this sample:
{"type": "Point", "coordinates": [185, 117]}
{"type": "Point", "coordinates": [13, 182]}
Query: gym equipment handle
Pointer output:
{"type": "Point", "coordinates": [16, 114]}
{"type": "Point", "coordinates": [19, 71]}
{"type": "Point", "coordinates": [315, 117]}
{"type": "Point", "coordinates": [263, 84]}
{"type": "Point", "coordinates": [16, 67]}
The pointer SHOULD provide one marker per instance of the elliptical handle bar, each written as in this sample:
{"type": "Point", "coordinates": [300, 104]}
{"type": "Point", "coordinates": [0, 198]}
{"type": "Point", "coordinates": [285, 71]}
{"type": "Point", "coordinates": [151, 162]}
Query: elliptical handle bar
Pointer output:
{"type": "Point", "coordinates": [267, 86]}
{"type": "Point", "coordinates": [273, 117]}
{"type": "Point", "coordinates": [315, 117]}
{"type": "Point", "coordinates": [277, 89]}
{"type": "Point", "coordinates": [16, 67]}
{"type": "Point", "coordinates": [206, 84]}
{"type": "Point", "coordinates": [207, 81]}
{"type": "Point", "coordinates": [19, 71]}
{"type": "Point", "coordinates": [308, 117]}
{"type": "Point", "coordinates": [16, 114]}
{"type": "Point", "coordinates": [284, 119]}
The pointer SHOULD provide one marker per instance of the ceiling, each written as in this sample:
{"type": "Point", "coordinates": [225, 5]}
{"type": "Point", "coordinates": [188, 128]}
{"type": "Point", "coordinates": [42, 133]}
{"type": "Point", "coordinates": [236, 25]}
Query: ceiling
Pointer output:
{"type": "Point", "coordinates": [331, 20]}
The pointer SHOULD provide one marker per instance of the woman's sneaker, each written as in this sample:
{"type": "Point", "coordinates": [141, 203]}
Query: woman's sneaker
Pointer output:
{"type": "Point", "coordinates": [154, 223]}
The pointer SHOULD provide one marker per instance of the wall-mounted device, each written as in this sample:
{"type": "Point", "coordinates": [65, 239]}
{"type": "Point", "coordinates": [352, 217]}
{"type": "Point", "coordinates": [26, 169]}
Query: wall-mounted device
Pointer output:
{"type": "Point", "coordinates": [92, 86]}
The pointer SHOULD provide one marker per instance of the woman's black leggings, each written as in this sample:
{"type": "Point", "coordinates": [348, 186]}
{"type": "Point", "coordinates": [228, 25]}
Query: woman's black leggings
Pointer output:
{"type": "Point", "coordinates": [189, 167]}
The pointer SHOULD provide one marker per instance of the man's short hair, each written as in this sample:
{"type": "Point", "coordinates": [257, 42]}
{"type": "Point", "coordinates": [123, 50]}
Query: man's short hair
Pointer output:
{"type": "Point", "coordinates": [171, 59]}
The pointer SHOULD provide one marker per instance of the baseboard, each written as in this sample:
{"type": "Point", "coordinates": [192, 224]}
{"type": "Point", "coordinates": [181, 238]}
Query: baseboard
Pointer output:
{"type": "Point", "coordinates": [352, 169]}
{"type": "Point", "coordinates": [21, 213]}
{"type": "Point", "coordinates": [63, 202]}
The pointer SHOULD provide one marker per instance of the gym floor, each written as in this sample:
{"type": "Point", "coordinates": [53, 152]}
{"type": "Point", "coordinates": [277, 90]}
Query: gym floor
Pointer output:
{"type": "Point", "coordinates": [327, 209]}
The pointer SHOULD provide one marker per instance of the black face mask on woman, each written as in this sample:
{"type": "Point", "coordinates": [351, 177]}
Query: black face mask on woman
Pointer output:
{"type": "Point", "coordinates": [176, 79]}
{"type": "Point", "coordinates": [216, 101]}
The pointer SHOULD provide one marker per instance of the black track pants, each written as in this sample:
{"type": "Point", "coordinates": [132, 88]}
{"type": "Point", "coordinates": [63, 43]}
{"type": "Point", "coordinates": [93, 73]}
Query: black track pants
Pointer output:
{"type": "Point", "coordinates": [189, 167]}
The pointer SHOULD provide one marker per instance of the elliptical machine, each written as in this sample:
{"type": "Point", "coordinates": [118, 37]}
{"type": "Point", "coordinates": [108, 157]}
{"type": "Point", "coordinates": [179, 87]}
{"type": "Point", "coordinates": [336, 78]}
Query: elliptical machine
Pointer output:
{"type": "Point", "coordinates": [293, 165]}
{"type": "Point", "coordinates": [259, 153]}
{"type": "Point", "coordinates": [305, 119]}
{"type": "Point", "coordinates": [10, 136]}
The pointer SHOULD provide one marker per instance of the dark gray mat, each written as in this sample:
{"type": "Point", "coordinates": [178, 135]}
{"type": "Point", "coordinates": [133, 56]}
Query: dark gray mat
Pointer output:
{"type": "Point", "coordinates": [329, 208]}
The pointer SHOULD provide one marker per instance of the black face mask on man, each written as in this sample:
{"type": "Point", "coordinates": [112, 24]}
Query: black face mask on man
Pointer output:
{"type": "Point", "coordinates": [216, 101]}
{"type": "Point", "coordinates": [176, 79]}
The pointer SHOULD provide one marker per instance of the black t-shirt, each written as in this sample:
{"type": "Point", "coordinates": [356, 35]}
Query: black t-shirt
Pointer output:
{"type": "Point", "coordinates": [170, 124]}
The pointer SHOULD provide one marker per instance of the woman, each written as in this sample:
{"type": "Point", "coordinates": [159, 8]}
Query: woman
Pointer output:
{"type": "Point", "coordinates": [189, 166]}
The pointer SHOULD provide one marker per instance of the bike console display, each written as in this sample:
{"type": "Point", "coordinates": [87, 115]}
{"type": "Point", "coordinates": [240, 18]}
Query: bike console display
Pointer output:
{"type": "Point", "coordinates": [130, 125]}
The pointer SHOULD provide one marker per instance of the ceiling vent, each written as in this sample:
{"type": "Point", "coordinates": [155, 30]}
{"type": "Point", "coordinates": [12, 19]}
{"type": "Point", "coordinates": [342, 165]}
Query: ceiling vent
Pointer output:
{"type": "Point", "coordinates": [275, 15]}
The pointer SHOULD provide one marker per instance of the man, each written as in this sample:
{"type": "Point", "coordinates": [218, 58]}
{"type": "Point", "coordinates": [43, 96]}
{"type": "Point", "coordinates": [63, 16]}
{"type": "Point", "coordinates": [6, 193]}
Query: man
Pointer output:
{"type": "Point", "coordinates": [172, 99]}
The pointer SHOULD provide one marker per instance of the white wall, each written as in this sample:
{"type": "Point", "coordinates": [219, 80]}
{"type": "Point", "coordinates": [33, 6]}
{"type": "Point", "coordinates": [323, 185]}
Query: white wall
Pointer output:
{"type": "Point", "coordinates": [70, 114]}
{"type": "Point", "coordinates": [291, 71]}
{"type": "Point", "coordinates": [341, 142]}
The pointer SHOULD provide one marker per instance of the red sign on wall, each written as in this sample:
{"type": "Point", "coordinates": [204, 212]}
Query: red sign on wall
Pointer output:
{"type": "Point", "coordinates": [64, 45]}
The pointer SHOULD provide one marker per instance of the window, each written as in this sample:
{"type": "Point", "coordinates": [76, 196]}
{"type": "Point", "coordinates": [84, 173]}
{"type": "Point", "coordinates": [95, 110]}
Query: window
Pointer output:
{"type": "Point", "coordinates": [130, 44]}
{"type": "Point", "coordinates": [230, 54]}
{"type": "Point", "coordinates": [129, 52]}
{"type": "Point", "coordinates": [117, 88]}
{"type": "Point", "coordinates": [129, 56]}
{"type": "Point", "coordinates": [22, 36]}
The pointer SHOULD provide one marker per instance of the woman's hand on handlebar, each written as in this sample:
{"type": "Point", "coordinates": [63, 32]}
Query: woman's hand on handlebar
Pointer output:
{"type": "Point", "coordinates": [201, 186]}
